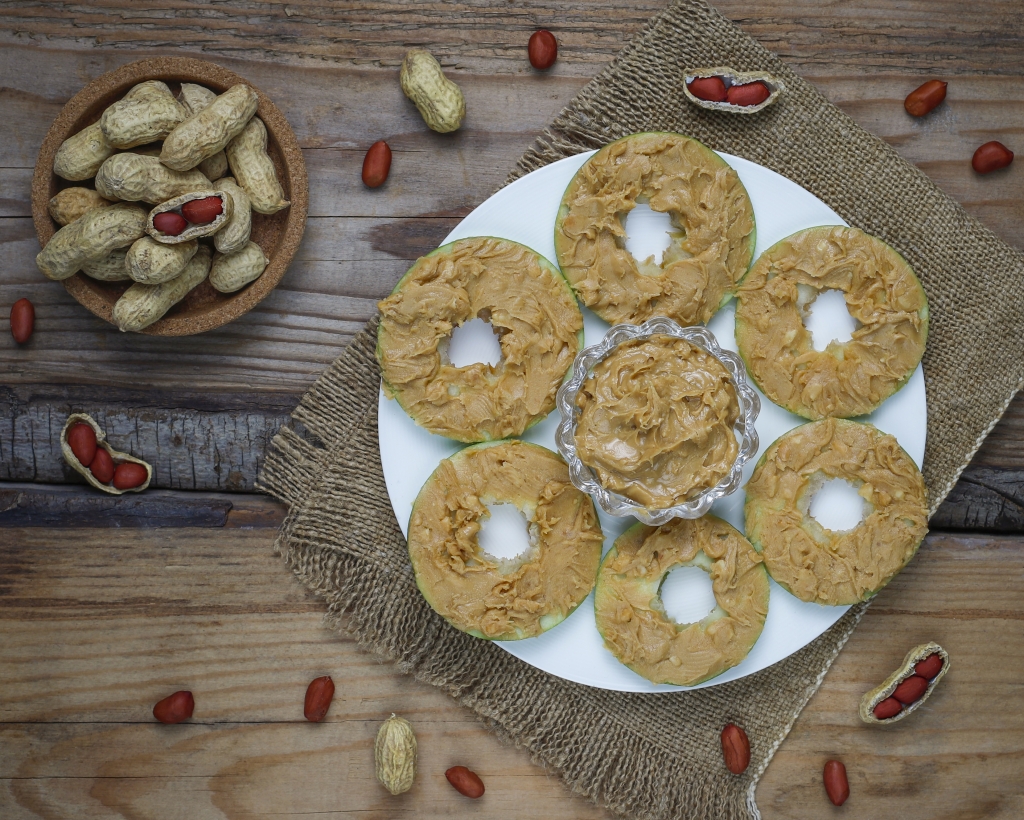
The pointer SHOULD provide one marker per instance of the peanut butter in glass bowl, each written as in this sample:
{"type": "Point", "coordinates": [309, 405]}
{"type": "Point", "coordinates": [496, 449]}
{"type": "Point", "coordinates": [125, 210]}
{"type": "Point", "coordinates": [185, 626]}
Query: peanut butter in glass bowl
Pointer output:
{"type": "Point", "coordinates": [657, 421]}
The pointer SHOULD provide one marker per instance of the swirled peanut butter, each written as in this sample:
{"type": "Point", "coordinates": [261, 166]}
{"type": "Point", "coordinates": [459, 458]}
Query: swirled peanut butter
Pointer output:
{"type": "Point", "coordinates": [821, 565]}
{"type": "Point", "coordinates": [711, 246]}
{"type": "Point", "coordinates": [486, 596]}
{"type": "Point", "coordinates": [847, 378]}
{"type": "Point", "coordinates": [529, 306]}
{"type": "Point", "coordinates": [656, 421]}
{"type": "Point", "coordinates": [631, 616]}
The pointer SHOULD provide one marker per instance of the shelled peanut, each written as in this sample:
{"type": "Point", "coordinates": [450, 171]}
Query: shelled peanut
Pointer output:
{"type": "Point", "coordinates": [906, 688]}
{"type": "Point", "coordinates": [85, 448]}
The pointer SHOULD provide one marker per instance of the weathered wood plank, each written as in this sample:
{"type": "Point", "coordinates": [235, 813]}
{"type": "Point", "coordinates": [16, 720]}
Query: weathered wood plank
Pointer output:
{"type": "Point", "coordinates": [72, 508]}
{"type": "Point", "coordinates": [471, 35]}
{"type": "Point", "coordinates": [96, 631]}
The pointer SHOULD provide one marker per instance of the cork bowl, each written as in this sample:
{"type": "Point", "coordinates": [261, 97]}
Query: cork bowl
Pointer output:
{"type": "Point", "coordinates": [277, 234]}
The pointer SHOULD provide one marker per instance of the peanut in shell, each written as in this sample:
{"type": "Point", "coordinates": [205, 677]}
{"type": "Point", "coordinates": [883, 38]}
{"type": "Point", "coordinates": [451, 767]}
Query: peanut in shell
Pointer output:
{"type": "Point", "coordinates": [394, 754]}
{"type": "Point", "coordinates": [231, 272]}
{"type": "Point", "coordinates": [152, 263]}
{"type": "Point", "coordinates": [80, 156]}
{"type": "Point", "coordinates": [878, 694]}
{"type": "Point", "coordinates": [253, 168]}
{"type": "Point", "coordinates": [195, 98]}
{"type": "Point", "coordinates": [147, 113]}
{"type": "Point", "coordinates": [141, 305]}
{"type": "Point", "coordinates": [235, 233]}
{"type": "Point", "coordinates": [136, 178]}
{"type": "Point", "coordinates": [101, 442]}
{"type": "Point", "coordinates": [111, 268]}
{"type": "Point", "coordinates": [439, 100]}
{"type": "Point", "coordinates": [90, 238]}
{"type": "Point", "coordinates": [193, 231]}
{"type": "Point", "coordinates": [67, 205]}
{"type": "Point", "coordinates": [210, 129]}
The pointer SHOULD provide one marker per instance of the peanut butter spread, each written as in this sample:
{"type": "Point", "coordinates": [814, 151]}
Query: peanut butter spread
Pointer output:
{"type": "Point", "coordinates": [711, 247]}
{"type": "Point", "coordinates": [631, 616]}
{"type": "Point", "coordinates": [504, 599]}
{"type": "Point", "coordinates": [822, 565]}
{"type": "Point", "coordinates": [847, 378]}
{"type": "Point", "coordinates": [529, 305]}
{"type": "Point", "coordinates": [656, 421]}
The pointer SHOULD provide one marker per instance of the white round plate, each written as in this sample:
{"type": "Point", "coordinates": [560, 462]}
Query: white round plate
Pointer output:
{"type": "Point", "coordinates": [525, 212]}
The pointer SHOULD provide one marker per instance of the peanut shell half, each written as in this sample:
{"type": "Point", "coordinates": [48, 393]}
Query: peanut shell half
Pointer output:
{"type": "Point", "coordinates": [194, 231]}
{"type": "Point", "coordinates": [101, 441]}
{"type": "Point", "coordinates": [877, 695]}
{"type": "Point", "coordinates": [732, 77]}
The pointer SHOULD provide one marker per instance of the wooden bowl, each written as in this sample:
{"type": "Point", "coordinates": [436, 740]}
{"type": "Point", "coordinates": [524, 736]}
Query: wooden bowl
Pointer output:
{"type": "Point", "coordinates": [277, 234]}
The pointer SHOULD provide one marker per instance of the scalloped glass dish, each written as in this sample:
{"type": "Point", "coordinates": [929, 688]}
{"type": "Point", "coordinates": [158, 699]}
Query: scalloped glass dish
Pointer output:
{"type": "Point", "coordinates": [525, 211]}
{"type": "Point", "coordinates": [583, 477]}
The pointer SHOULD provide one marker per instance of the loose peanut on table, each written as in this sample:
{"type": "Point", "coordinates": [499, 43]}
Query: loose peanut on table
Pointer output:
{"type": "Point", "coordinates": [135, 178]}
{"type": "Point", "coordinates": [90, 238]}
{"type": "Point", "coordinates": [195, 98]}
{"type": "Point", "coordinates": [394, 755]}
{"type": "Point", "coordinates": [147, 113]}
{"type": "Point", "coordinates": [235, 233]}
{"type": "Point", "coordinates": [319, 695]}
{"type": "Point", "coordinates": [151, 262]}
{"type": "Point", "coordinates": [141, 305]}
{"type": "Point", "coordinates": [439, 100]}
{"type": "Point", "coordinates": [254, 170]}
{"type": "Point", "coordinates": [23, 320]}
{"type": "Point", "coordinates": [111, 268]}
{"type": "Point", "coordinates": [231, 272]}
{"type": "Point", "coordinates": [209, 130]}
{"type": "Point", "coordinates": [80, 156]}
{"type": "Point", "coordinates": [67, 205]}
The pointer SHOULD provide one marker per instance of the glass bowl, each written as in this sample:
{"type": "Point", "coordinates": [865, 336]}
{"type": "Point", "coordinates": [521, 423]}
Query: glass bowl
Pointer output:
{"type": "Point", "coordinates": [615, 503]}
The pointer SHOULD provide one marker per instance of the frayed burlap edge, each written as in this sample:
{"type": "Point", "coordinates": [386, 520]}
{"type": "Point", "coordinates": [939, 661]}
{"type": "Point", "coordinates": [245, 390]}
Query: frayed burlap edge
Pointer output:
{"type": "Point", "coordinates": [654, 756]}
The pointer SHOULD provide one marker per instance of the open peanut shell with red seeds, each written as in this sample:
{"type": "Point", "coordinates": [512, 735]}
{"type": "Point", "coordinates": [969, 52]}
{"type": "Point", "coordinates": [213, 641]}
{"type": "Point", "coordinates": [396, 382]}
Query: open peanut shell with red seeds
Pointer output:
{"type": "Point", "coordinates": [732, 77]}
{"type": "Point", "coordinates": [194, 230]}
{"type": "Point", "coordinates": [877, 695]}
{"type": "Point", "coordinates": [101, 443]}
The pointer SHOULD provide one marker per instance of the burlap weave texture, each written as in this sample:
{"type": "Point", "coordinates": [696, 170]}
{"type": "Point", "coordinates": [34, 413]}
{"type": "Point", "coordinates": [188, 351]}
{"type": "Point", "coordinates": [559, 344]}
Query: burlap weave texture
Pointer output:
{"type": "Point", "coordinates": [654, 756]}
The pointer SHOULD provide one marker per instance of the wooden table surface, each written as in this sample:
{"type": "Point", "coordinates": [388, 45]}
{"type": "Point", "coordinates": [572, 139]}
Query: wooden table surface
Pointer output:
{"type": "Point", "coordinates": [107, 605]}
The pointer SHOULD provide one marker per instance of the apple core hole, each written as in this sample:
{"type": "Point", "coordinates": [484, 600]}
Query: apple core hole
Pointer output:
{"type": "Point", "coordinates": [687, 595]}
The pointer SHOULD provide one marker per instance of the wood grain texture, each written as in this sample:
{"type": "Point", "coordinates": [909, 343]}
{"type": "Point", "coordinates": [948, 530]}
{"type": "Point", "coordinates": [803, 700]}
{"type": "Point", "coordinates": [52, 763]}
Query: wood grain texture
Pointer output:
{"type": "Point", "coordinates": [107, 606]}
{"type": "Point", "coordinates": [95, 634]}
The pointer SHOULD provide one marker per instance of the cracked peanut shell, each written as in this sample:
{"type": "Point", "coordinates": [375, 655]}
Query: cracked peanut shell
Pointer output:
{"type": "Point", "coordinates": [878, 694]}
{"type": "Point", "coordinates": [101, 442]}
{"type": "Point", "coordinates": [732, 77]}
{"type": "Point", "coordinates": [193, 231]}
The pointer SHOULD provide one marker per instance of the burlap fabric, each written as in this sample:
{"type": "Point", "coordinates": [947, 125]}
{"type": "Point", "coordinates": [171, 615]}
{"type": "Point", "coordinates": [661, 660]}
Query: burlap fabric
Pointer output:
{"type": "Point", "coordinates": [655, 756]}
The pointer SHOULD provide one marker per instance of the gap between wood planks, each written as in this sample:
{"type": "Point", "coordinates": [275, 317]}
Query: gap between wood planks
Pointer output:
{"type": "Point", "coordinates": [985, 501]}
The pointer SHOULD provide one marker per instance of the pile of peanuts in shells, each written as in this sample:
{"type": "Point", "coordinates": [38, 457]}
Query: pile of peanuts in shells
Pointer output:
{"type": "Point", "coordinates": [200, 160]}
